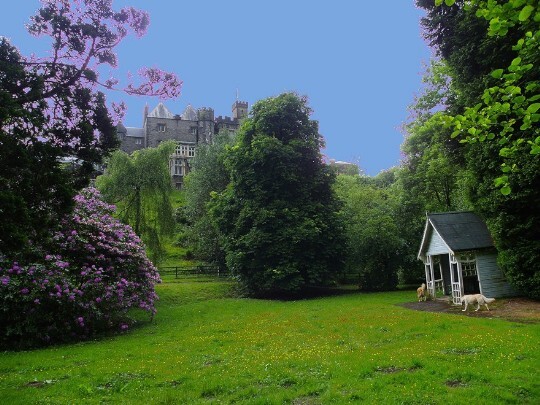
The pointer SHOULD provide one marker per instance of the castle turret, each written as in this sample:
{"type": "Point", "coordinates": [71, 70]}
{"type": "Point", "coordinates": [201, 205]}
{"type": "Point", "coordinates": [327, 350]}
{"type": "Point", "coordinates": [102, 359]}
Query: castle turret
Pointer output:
{"type": "Point", "coordinates": [239, 110]}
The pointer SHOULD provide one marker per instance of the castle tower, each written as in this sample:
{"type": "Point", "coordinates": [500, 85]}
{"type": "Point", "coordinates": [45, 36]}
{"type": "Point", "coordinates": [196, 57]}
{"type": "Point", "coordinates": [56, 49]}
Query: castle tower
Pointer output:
{"type": "Point", "coordinates": [239, 110]}
{"type": "Point", "coordinates": [205, 134]}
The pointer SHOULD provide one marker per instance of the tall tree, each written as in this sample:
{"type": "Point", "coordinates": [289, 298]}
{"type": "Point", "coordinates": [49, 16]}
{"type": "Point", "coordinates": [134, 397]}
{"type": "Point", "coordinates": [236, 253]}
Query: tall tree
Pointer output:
{"type": "Point", "coordinates": [279, 216]}
{"type": "Point", "coordinates": [140, 185]}
{"type": "Point", "coordinates": [51, 111]}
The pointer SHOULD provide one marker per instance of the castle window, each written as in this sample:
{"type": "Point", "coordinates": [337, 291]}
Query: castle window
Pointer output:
{"type": "Point", "coordinates": [193, 130]}
{"type": "Point", "coordinates": [138, 141]}
{"type": "Point", "coordinates": [185, 150]}
{"type": "Point", "coordinates": [161, 127]}
{"type": "Point", "coordinates": [178, 167]}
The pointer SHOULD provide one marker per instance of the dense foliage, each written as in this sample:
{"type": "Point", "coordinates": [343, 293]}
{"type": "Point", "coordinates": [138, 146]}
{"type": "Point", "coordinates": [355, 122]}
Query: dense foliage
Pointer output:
{"type": "Point", "coordinates": [208, 176]}
{"type": "Point", "coordinates": [374, 244]}
{"type": "Point", "coordinates": [99, 271]}
{"type": "Point", "coordinates": [278, 218]}
{"type": "Point", "coordinates": [140, 184]}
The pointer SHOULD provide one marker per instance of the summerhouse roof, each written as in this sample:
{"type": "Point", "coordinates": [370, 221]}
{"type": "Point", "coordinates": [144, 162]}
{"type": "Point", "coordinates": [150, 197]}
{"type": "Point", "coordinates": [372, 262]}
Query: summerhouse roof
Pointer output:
{"type": "Point", "coordinates": [460, 231]}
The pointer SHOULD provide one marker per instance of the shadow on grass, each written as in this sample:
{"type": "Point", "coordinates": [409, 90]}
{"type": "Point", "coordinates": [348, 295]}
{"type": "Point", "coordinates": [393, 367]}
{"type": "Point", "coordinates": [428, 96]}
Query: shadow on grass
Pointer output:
{"type": "Point", "coordinates": [309, 293]}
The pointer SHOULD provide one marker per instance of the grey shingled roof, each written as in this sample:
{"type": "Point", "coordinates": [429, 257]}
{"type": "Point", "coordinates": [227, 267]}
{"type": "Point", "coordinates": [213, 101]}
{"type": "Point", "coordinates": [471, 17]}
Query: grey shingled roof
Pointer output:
{"type": "Point", "coordinates": [135, 132]}
{"type": "Point", "coordinates": [461, 230]}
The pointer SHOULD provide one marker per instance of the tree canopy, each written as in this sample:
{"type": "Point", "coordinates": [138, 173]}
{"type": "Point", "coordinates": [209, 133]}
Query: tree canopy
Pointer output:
{"type": "Point", "coordinates": [208, 176]}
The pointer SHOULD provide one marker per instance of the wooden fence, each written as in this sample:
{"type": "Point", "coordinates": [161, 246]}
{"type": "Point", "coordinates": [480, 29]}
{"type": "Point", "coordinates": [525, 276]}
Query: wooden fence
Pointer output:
{"type": "Point", "coordinates": [193, 271]}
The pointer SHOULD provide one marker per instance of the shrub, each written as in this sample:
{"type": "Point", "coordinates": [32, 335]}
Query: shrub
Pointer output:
{"type": "Point", "coordinates": [99, 271]}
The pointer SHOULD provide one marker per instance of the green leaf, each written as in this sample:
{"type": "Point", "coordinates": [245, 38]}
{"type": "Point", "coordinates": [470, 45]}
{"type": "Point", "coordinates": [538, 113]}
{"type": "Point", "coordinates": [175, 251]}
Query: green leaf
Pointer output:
{"type": "Point", "coordinates": [497, 74]}
{"type": "Point", "coordinates": [506, 190]}
{"type": "Point", "coordinates": [438, 2]}
{"type": "Point", "coordinates": [533, 108]}
{"type": "Point", "coordinates": [516, 61]}
{"type": "Point", "coordinates": [499, 181]}
{"type": "Point", "coordinates": [449, 2]}
{"type": "Point", "coordinates": [525, 13]}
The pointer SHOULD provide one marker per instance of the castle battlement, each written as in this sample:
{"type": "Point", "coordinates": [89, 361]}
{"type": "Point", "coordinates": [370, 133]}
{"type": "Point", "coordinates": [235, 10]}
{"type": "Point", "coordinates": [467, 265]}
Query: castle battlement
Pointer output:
{"type": "Point", "coordinates": [240, 104]}
{"type": "Point", "coordinates": [205, 114]}
{"type": "Point", "coordinates": [225, 119]}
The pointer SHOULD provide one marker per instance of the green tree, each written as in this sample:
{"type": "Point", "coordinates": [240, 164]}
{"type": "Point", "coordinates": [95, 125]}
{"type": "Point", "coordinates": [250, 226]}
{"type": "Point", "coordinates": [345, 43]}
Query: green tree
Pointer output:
{"type": "Point", "coordinates": [208, 175]}
{"type": "Point", "coordinates": [500, 102]}
{"type": "Point", "coordinates": [373, 242]}
{"type": "Point", "coordinates": [140, 185]}
{"type": "Point", "coordinates": [278, 218]}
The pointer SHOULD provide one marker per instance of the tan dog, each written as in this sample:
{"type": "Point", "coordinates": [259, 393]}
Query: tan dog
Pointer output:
{"type": "Point", "coordinates": [421, 292]}
{"type": "Point", "coordinates": [477, 299]}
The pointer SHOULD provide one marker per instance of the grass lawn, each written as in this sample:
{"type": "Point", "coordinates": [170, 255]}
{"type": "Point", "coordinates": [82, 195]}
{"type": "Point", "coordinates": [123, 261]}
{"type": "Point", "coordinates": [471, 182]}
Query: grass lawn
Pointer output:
{"type": "Point", "coordinates": [206, 347]}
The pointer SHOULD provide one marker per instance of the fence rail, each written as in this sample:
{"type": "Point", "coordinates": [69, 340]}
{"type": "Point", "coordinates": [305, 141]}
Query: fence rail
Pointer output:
{"type": "Point", "coordinates": [193, 271]}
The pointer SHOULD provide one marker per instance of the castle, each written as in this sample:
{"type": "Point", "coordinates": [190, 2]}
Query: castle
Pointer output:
{"type": "Point", "coordinates": [189, 129]}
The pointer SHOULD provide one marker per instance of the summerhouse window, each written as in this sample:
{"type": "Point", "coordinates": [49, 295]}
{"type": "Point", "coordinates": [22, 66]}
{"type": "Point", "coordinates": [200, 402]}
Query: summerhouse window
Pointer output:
{"type": "Point", "coordinates": [468, 266]}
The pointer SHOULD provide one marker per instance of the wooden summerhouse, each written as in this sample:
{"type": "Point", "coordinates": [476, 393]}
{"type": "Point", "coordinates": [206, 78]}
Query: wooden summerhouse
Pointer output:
{"type": "Point", "coordinates": [460, 258]}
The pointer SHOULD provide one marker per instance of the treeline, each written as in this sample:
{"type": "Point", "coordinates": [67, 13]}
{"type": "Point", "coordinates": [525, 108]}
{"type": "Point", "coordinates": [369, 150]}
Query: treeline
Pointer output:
{"type": "Point", "coordinates": [264, 205]}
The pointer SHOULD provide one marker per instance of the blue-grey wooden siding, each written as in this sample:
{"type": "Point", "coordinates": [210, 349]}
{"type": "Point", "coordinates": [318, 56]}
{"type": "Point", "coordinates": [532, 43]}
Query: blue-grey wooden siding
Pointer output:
{"type": "Point", "coordinates": [436, 245]}
{"type": "Point", "coordinates": [493, 284]}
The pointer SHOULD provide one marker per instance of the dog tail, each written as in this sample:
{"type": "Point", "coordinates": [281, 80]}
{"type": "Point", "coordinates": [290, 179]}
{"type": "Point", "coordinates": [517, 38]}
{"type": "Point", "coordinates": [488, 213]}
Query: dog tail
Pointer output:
{"type": "Point", "coordinates": [490, 300]}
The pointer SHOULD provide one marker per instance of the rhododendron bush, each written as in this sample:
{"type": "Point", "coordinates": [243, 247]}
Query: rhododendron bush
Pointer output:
{"type": "Point", "coordinates": [98, 272]}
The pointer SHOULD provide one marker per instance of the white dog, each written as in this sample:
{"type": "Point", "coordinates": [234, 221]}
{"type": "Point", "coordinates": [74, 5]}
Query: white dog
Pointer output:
{"type": "Point", "coordinates": [421, 292]}
{"type": "Point", "coordinates": [477, 299]}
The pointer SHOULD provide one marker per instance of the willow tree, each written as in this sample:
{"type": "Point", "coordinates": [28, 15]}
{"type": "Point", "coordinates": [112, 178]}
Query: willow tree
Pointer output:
{"type": "Point", "coordinates": [140, 186]}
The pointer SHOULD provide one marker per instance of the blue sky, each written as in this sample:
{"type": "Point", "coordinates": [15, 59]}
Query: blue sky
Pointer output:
{"type": "Point", "coordinates": [359, 62]}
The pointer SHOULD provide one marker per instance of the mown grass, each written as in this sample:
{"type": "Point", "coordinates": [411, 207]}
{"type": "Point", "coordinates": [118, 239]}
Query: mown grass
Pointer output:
{"type": "Point", "coordinates": [205, 346]}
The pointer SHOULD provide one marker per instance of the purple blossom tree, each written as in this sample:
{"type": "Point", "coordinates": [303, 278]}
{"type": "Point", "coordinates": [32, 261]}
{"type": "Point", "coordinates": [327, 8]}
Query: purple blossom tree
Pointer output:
{"type": "Point", "coordinates": [52, 108]}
